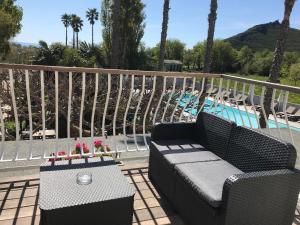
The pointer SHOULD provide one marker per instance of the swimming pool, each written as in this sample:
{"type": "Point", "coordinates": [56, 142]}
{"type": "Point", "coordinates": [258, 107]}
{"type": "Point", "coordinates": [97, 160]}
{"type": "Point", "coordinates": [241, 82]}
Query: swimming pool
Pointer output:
{"type": "Point", "coordinates": [233, 114]}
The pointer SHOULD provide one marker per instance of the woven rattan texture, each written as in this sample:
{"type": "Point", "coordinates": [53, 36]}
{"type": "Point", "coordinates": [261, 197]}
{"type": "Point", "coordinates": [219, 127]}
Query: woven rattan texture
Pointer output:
{"type": "Point", "coordinates": [59, 189]}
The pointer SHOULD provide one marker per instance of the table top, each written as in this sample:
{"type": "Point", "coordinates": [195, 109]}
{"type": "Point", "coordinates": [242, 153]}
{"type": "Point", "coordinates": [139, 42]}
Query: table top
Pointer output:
{"type": "Point", "coordinates": [59, 189]}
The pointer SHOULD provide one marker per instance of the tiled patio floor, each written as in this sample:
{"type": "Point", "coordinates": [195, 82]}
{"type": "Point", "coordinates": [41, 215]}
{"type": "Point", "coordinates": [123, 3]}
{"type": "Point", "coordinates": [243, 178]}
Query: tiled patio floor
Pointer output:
{"type": "Point", "coordinates": [19, 200]}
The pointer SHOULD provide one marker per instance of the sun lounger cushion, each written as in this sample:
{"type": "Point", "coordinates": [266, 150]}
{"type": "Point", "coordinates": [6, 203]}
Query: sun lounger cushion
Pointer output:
{"type": "Point", "coordinates": [207, 178]}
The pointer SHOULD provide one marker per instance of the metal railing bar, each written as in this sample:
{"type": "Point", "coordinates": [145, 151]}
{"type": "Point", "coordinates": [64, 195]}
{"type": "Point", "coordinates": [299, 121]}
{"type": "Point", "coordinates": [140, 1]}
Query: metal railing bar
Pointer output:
{"type": "Point", "coordinates": [147, 110]}
{"type": "Point", "coordinates": [136, 112]}
{"type": "Point", "coordinates": [274, 113]}
{"type": "Point", "coordinates": [217, 97]}
{"type": "Point", "coordinates": [262, 97]}
{"type": "Point", "coordinates": [169, 99]}
{"type": "Point", "coordinates": [106, 104]}
{"type": "Point", "coordinates": [94, 108]}
{"type": "Point", "coordinates": [29, 113]}
{"type": "Point", "coordinates": [199, 96]}
{"type": "Point", "coordinates": [70, 103]}
{"type": "Point", "coordinates": [245, 106]}
{"type": "Point", "coordinates": [14, 104]}
{"type": "Point", "coordinates": [126, 111]}
{"type": "Point", "coordinates": [285, 101]}
{"type": "Point", "coordinates": [189, 99]}
{"type": "Point", "coordinates": [237, 104]}
{"type": "Point", "coordinates": [42, 79]}
{"type": "Point", "coordinates": [2, 134]}
{"type": "Point", "coordinates": [81, 109]}
{"type": "Point", "coordinates": [56, 113]}
{"type": "Point", "coordinates": [160, 100]}
{"type": "Point", "coordinates": [252, 88]}
{"type": "Point", "coordinates": [179, 99]}
{"type": "Point", "coordinates": [117, 108]}
{"type": "Point", "coordinates": [230, 104]}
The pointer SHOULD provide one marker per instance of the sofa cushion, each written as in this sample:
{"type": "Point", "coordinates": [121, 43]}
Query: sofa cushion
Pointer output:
{"type": "Point", "coordinates": [167, 146]}
{"type": "Point", "coordinates": [214, 133]}
{"type": "Point", "coordinates": [207, 178]}
{"type": "Point", "coordinates": [183, 156]}
{"type": "Point", "coordinates": [250, 151]}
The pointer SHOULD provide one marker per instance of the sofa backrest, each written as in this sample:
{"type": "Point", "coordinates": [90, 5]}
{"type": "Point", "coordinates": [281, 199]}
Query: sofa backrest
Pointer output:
{"type": "Point", "coordinates": [251, 150]}
{"type": "Point", "coordinates": [213, 133]}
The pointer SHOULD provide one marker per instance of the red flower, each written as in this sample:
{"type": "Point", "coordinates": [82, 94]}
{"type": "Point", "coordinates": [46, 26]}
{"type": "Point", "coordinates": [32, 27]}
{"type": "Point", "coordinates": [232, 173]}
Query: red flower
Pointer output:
{"type": "Point", "coordinates": [97, 143]}
{"type": "Point", "coordinates": [85, 148]}
{"type": "Point", "coordinates": [61, 153]}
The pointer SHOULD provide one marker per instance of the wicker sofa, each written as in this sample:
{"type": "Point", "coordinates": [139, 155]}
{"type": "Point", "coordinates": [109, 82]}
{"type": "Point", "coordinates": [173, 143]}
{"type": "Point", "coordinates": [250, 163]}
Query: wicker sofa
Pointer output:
{"type": "Point", "coordinates": [214, 172]}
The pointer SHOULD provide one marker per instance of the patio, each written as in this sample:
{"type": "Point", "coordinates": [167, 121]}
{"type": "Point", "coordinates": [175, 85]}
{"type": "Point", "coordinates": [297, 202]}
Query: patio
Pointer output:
{"type": "Point", "coordinates": [19, 199]}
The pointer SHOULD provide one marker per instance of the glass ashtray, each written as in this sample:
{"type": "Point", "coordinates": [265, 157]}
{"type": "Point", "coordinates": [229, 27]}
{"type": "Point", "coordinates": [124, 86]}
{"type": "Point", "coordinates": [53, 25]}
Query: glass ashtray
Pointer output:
{"type": "Point", "coordinates": [84, 178]}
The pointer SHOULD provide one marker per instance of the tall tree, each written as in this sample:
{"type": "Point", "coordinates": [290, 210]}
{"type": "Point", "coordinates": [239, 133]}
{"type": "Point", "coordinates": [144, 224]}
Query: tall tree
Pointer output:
{"type": "Point", "coordinates": [277, 59]}
{"type": "Point", "coordinates": [73, 25]}
{"type": "Point", "coordinates": [105, 18]}
{"type": "Point", "coordinates": [164, 32]}
{"type": "Point", "coordinates": [10, 24]}
{"type": "Point", "coordinates": [212, 17]}
{"type": "Point", "coordinates": [115, 36]}
{"type": "Point", "coordinates": [123, 29]}
{"type": "Point", "coordinates": [92, 15]}
{"type": "Point", "coordinates": [78, 24]}
{"type": "Point", "coordinates": [66, 19]}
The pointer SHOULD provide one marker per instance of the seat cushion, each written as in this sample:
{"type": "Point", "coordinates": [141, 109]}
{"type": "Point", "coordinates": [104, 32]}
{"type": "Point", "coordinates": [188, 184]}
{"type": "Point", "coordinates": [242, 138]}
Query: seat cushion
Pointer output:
{"type": "Point", "coordinates": [186, 156]}
{"type": "Point", "coordinates": [207, 178]}
{"type": "Point", "coordinates": [167, 146]}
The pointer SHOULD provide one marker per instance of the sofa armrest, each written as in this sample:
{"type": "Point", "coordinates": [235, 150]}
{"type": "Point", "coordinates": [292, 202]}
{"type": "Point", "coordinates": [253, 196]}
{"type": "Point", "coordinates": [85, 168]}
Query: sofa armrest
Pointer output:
{"type": "Point", "coordinates": [266, 197]}
{"type": "Point", "coordinates": [171, 131]}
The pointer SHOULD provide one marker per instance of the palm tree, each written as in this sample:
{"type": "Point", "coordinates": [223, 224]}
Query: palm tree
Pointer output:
{"type": "Point", "coordinates": [66, 19]}
{"type": "Point", "coordinates": [92, 15]}
{"type": "Point", "coordinates": [115, 40]}
{"type": "Point", "coordinates": [73, 25]}
{"type": "Point", "coordinates": [77, 24]}
{"type": "Point", "coordinates": [164, 32]}
{"type": "Point", "coordinates": [212, 17]}
{"type": "Point", "coordinates": [278, 58]}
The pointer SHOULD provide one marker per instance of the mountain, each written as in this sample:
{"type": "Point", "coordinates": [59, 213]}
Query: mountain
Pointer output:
{"type": "Point", "coordinates": [25, 44]}
{"type": "Point", "coordinates": [264, 36]}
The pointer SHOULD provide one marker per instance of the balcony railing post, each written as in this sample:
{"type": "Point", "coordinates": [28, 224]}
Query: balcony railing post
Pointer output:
{"type": "Point", "coordinates": [179, 99]}
{"type": "Point", "coordinates": [136, 112]}
{"type": "Point", "coordinates": [147, 110]}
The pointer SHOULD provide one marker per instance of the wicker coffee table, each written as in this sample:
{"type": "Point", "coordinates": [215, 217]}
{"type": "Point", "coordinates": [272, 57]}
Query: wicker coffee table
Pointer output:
{"type": "Point", "coordinates": [108, 200]}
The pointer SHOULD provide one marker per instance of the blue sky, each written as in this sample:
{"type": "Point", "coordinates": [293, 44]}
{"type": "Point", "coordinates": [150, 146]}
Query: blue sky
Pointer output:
{"type": "Point", "coordinates": [188, 18]}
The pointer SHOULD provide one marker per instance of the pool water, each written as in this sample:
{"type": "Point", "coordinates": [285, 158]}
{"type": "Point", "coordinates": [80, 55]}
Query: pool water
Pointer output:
{"type": "Point", "coordinates": [233, 114]}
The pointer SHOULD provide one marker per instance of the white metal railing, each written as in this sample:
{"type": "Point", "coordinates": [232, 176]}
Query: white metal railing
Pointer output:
{"type": "Point", "coordinates": [120, 106]}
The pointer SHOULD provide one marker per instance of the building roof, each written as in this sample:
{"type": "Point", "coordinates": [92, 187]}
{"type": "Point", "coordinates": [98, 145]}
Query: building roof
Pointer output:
{"type": "Point", "coordinates": [167, 61]}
